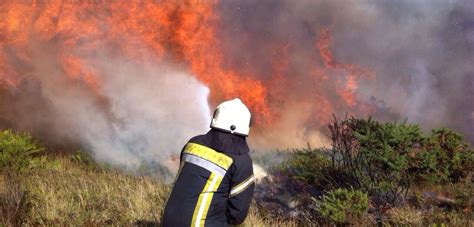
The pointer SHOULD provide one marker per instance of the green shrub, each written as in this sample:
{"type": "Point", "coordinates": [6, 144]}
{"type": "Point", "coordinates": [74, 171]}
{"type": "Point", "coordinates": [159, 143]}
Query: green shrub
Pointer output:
{"type": "Point", "coordinates": [378, 155]}
{"type": "Point", "coordinates": [383, 160]}
{"type": "Point", "coordinates": [313, 167]}
{"type": "Point", "coordinates": [383, 154]}
{"type": "Point", "coordinates": [17, 151]}
{"type": "Point", "coordinates": [386, 158]}
{"type": "Point", "coordinates": [307, 165]}
{"type": "Point", "coordinates": [341, 205]}
{"type": "Point", "coordinates": [446, 157]}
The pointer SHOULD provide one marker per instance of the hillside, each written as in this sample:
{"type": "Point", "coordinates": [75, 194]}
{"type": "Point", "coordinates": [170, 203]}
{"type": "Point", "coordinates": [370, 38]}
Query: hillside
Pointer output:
{"type": "Point", "coordinates": [415, 179]}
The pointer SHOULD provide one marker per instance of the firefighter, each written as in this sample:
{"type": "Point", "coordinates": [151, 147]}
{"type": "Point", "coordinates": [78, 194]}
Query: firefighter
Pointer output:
{"type": "Point", "coordinates": [215, 182]}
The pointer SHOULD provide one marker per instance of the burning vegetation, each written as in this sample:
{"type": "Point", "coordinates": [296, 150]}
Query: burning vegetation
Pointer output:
{"type": "Point", "coordinates": [64, 64]}
{"type": "Point", "coordinates": [70, 49]}
{"type": "Point", "coordinates": [132, 81]}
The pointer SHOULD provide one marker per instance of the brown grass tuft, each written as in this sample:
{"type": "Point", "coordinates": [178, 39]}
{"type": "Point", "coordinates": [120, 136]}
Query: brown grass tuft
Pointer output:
{"type": "Point", "coordinates": [74, 195]}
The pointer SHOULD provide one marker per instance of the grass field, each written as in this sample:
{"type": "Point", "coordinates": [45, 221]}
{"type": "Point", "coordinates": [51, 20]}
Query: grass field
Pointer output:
{"type": "Point", "coordinates": [39, 187]}
{"type": "Point", "coordinates": [66, 192]}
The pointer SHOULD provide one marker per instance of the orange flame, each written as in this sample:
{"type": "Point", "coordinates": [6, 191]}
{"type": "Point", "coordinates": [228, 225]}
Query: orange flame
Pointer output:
{"type": "Point", "coordinates": [150, 32]}
{"type": "Point", "coordinates": [353, 72]}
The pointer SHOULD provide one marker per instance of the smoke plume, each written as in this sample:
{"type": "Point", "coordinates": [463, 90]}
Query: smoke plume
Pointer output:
{"type": "Point", "coordinates": [420, 53]}
{"type": "Point", "coordinates": [143, 112]}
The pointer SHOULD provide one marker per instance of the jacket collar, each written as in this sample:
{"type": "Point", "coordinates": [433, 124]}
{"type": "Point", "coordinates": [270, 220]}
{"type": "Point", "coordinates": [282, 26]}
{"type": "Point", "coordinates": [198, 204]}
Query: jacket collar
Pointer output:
{"type": "Point", "coordinates": [226, 142]}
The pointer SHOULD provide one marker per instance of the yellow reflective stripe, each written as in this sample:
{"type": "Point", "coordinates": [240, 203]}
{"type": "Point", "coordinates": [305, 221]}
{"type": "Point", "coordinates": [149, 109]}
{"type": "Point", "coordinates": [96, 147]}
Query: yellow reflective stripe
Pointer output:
{"type": "Point", "coordinates": [195, 221]}
{"type": "Point", "coordinates": [209, 154]}
{"type": "Point", "coordinates": [241, 186]}
{"type": "Point", "coordinates": [208, 200]}
{"type": "Point", "coordinates": [205, 199]}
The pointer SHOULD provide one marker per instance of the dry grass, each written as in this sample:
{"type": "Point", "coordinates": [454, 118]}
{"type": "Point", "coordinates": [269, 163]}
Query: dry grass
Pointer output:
{"type": "Point", "coordinates": [254, 218]}
{"type": "Point", "coordinates": [12, 196]}
{"type": "Point", "coordinates": [405, 216]}
{"type": "Point", "coordinates": [69, 193]}
{"type": "Point", "coordinates": [75, 195]}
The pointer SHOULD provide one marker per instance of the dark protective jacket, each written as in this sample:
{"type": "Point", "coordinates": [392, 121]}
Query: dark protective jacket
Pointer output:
{"type": "Point", "coordinates": [214, 184]}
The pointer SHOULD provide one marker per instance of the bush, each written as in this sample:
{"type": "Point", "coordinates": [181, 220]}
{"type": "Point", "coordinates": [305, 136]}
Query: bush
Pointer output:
{"type": "Point", "coordinates": [17, 151]}
{"type": "Point", "coordinates": [381, 159]}
{"type": "Point", "coordinates": [445, 158]}
{"type": "Point", "coordinates": [307, 165]}
{"type": "Point", "coordinates": [313, 167]}
{"type": "Point", "coordinates": [378, 155]}
{"type": "Point", "coordinates": [342, 205]}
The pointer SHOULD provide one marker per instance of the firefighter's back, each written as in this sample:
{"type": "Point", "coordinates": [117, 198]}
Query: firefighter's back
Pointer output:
{"type": "Point", "coordinates": [191, 198]}
{"type": "Point", "coordinates": [214, 184]}
{"type": "Point", "coordinates": [212, 188]}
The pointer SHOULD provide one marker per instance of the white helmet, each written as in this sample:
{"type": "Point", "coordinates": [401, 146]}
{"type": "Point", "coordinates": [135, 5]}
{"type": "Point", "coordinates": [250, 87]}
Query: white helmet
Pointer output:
{"type": "Point", "coordinates": [232, 116]}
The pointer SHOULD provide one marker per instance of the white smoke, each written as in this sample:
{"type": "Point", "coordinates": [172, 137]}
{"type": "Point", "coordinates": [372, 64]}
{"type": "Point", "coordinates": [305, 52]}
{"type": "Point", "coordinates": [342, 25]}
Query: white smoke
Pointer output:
{"type": "Point", "coordinates": [156, 114]}
{"type": "Point", "coordinates": [142, 113]}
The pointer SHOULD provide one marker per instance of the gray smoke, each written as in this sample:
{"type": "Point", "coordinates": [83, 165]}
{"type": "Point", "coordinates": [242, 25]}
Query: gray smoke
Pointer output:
{"type": "Point", "coordinates": [422, 53]}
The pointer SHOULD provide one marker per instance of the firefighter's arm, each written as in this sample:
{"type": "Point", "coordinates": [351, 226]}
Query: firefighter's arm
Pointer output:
{"type": "Point", "coordinates": [241, 193]}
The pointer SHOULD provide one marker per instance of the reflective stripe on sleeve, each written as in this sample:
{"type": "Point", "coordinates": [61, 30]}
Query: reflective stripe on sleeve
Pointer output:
{"type": "Point", "coordinates": [241, 186]}
{"type": "Point", "coordinates": [209, 154]}
{"type": "Point", "coordinates": [204, 164]}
